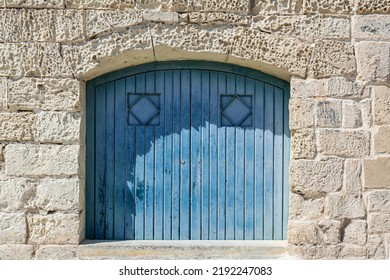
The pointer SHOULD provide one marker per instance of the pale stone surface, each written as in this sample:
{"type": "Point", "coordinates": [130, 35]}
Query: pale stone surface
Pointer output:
{"type": "Point", "coordinates": [3, 93]}
{"type": "Point", "coordinates": [53, 229]}
{"type": "Point", "coordinates": [378, 223]}
{"type": "Point", "coordinates": [92, 4]}
{"type": "Point", "coordinates": [303, 144]}
{"type": "Point", "coordinates": [1, 153]}
{"type": "Point", "coordinates": [353, 252]}
{"type": "Point", "coordinates": [304, 88]}
{"type": "Point", "coordinates": [381, 140]}
{"type": "Point", "coordinates": [311, 176]}
{"type": "Point", "coordinates": [344, 143]}
{"type": "Point", "coordinates": [17, 126]}
{"type": "Point", "coordinates": [277, 7]}
{"type": "Point", "coordinates": [381, 104]}
{"type": "Point", "coordinates": [99, 21]}
{"type": "Point", "coordinates": [17, 194]}
{"type": "Point", "coordinates": [373, 6]}
{"type": "Point", "coordinates": [343, 88]}
{"type": "Point", "coordinates": [376, 247]}
{"type": "Point", "coordinates": [315, 252]}
{"type": "Point", "coordinates": [301, 113]}
{"type": "Point", "coordinates": [329, 231]}
{"type": "Point", "coordinates": [373, 61]}
{"type": "Point", "coordinates": [378, 201]}
{"type": "Point", "coordinates": [13, 228]}
{"type": "Point", "coordinates": [38, 160]}
{"type": "Point", "coordinates": [165, 17]}
{"type": "Point", "coordinates": [373, 167]}
{"type": "Point", "coordinates": [356, 232]}
{"type": "Point", "coordinates": [241, 6]}
{"type": "Point", "coordinates": [303, 233]}
{"type": "Point", "coordinates": [46, 94]}
{"type": "Point", "coordinates": [329, 113]}
{"type": "Point", "coordinates": [56, 252]}
{"type": "Point", "coordinates": [348, 206]}
{"type": "Point", "coordinates": [58, 127]}
{"type": "Point", "coordinates": [215, 18]}
{"type": "Point", "coordinates": [332, 58]}
{"type": "Point", "coordinates": [34, 3]}
{"type": "Point", "coordinates": [387, 245]}
{"type": "Point", "coordinates": [69, 25]}
{"type": "Point", "coordinates": [328, 7]}
{"type": "Point", "coordinates": [352, 116]}
{"type": "Point", "coordinates": [305, 209]}
{"type": "Point", "coordinates": [371, 27]}
{"type": "Point", "coordinates": [367, 118]}
{"type": "Point", "coordinates": [16, 252]}
{"type": "Point", "coordinates": [353, 176]}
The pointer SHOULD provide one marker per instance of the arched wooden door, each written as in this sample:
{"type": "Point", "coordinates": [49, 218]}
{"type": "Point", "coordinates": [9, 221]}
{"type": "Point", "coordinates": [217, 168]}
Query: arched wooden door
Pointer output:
{"type": "Point", "coordinates": [187, 151]}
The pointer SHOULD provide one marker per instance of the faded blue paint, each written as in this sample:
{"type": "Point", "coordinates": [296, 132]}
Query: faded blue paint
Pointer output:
{"type": "Point", "coordinates": [185, 175]}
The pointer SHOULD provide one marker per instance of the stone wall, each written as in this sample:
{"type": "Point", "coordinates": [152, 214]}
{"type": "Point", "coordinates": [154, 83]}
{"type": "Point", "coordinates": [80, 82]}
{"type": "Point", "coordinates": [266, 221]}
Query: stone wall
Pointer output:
{"type": "Point", "coordinates": [336, 54]}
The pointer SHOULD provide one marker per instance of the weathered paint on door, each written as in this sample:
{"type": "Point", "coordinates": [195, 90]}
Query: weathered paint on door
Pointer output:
{"type": "Point", "coordinates": [187, 150]}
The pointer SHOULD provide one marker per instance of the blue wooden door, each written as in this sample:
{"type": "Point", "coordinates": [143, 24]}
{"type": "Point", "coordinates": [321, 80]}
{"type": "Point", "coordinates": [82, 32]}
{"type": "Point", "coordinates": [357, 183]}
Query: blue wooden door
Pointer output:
{"type": "Point", "coordinates": [187, 151]}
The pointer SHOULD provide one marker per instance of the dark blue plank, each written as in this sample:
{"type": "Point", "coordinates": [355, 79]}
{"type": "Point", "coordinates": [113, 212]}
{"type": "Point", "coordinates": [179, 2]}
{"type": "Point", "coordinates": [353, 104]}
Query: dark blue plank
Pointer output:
{"type": "Point", "coordinates": [286, 161]}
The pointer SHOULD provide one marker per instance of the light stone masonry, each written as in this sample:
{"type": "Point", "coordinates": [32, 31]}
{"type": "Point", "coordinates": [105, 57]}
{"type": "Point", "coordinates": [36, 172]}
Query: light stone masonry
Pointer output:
{"type": "Point", "coordinates": [352, 116]}
{"type": "Point", "coordinates": [13, 228]}
{"type": "Point", "coordinates": [17, 126]}
{"type": "Point", "coordinates": [371, 27]}
{"type": "Point", "coordinates": [376, 247]}
{"type": "Point", "coordinates": [356, 232]}
{"type": "Point", "coordinates": [16, 252]}
{"type": "Point", "coordinates": [329, 113]}
{"type": "Point", "coordinates": [348, 206]}
{"type": "Point", "coordinates": [3, 93]}
{"type": "Point", "coordinates": [379, 223]}
{"type": "Point", "coordinates": [373, 167]}
{"type": "Point", "coordinates": [303, 144]}
{"type": "Point", "coordinates": [353, 176]}
{"type": "Point", "coordinates": [305, 209]}
{"type": "Point", "coordinates": [382, 140]}
{"type": "Point", "coordinates": [378, 201]}
{"type": "Point", "coordinates": [373, 63]}
{"type": "Point", "coordinates": [381, 105]}
{"type": "Point", "coordinates": [373, 6]}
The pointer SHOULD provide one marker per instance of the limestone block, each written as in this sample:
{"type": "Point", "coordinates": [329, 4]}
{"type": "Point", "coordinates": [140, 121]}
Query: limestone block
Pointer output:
{"type": "Point", "coordinates": [3, 93]}
{"type": "Point", "coordinates": [303, 144]}
{"type": "Point", "coordinates": [373, 61]}
{"type": "Point", "coordinates": [387, 245]}
{"type": "Point", "coordinates": [378, 201]}
{"type": "Point", "coordinates": [13, 228]}
{"type": "Point", "coordinates": [17, 126]}
{"type": "Point", "coordinates": [16, 252]}
{"type": "Point", "coordinates": [329, 113]}
{"type": "Point", "coordinates": [311, 176]}
{"type": "Point", "coordinates": [371, 27]}
{"type": "Point", "coordinates": [356, 232]}
{"type": "Point", "coordinates": [100, 21]}
{"type": "Point", "coordinates": [376, 247]}
{"type": "Point", "coordinates": [352, 116]}
{"type": "Point", "coordinates": [69, 25]}
{"type": "Point", "coordinates": [277, 7]}
{"type": "Point", "coordinates": [378, 223]}
{"type": "Point", "coordinates": [239, 6]}
{"type": "Point", "coordinates": [1, 153]}
{"type": "Point", "coordinates": [165, 5]}
{"type": "Point", "coordinates": [315, 252]}
{"type": "Point", "coordinates": [165, 17]}
{"type": "Point", "coordinates": [344, 143]}
{"type": "Point", "coordinates": [373, 6]}
{"type": "Point", "coordinates": [332, 58]}
{"type": "Point", "coordinates": [45, 94]}
{"type": "Point", "coordinates": [302, 233]}
{"type": "Point", "coordinates": [328, 7]}
{"type": "Point", "coordinates": [347, 206]}
{"type": "Point", "coordinates": [353, 252]}
{"type": "Point", "coordinates": [367, 117]}
{"type": "Point", "coordinates": [34, 3]}
{"type": "Point", "coordinates": [277, 50]}
{"type": "Point", "coordinates": [56, 252]}
{"type": "Point", "coordinates": [17, 194]}
{"type": "Point", "coordinates": [38, 160]}
{"type": "Point", "coordinates": [381, 104]}
{"type": "Point", "coordinates": [304, 88]}
{"type": "Point", "coordinates": [92, 4]}
{"type": "Point", "coordinates": [376, 173]}
{"type": "Point", "coordinates": [53, 229]}
{"type": "Point", "coordinates": [58, 127]}
{"type": "Point", "coordinates": [57, 195]}
{"type": "Point", "coordinates": [381, 140]}
{"type": "Point", "coordinates": [217, 18]}
{"type": "Point", "coordinates": [305, 209]}
{"type": "Point", "coordinates": [342, 87]}
{"type": "Point", "coordinates": [301, 113]}
{"type": "Point", "coordinates": [329, 231]}
{"type": "Point", "coordinates": [353, 176]}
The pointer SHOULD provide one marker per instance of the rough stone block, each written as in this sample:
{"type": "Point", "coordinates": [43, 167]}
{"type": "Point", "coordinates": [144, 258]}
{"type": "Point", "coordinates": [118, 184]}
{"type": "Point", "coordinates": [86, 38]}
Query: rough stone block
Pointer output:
{"type": "Point", "coordinates": [345, 206]}
{"type": "Point", "coordinates": [277, 7]}
{"type": "Point", "coordinates": [329, 231]}
{"type": "Point", "coordinates": [381, 104]}
{"type": "Point", "coordinates": [370, 27]}
{"type": "Point", "coordinates": [329, 113]}
{"type": "Point", "coordinates": [34, 3]}
{"type": "Point", "coordinates": [378, 223]}
{"type": "Point", "coordinates": [373, 61]}
{"type": "Point", "coordinates": [239, 6]}
{"type": "Point", "coordinates": [352, 115]}
{"type": "Point", "coordinates": [367, 117]}
{"type": "Point", "coordinates": [344, 143]}
{"type": "Point", "coordinates": [375, 247]}
{"type": "Point", "coordinates": [387, 245]}
{"type": "Point", "coordinates": [381, 140]}
{"type": "Point", "coordinates": [56, 252]}
{"type": "Point", "coordinates": [53, 229]}
{"type": "Point", "coordinates": [3, 93]}
{"type": "Point", "coordinates": [301, 113]}
{"type": "Point", "coordinates": [92, 4]}
{"type": "Point", "coordinates": [303, 144]}
{"type": "Point", "coordinates": [302, 233]}
{"type": "Point", "coordinates": [305, 209]}
{"type": "Point", "coordinates": [13, 228]}
{"type": "Point", "coordinates": [311, 176]}
{"type": "Point", "coordinates": [165, 5]}
{"type": "Point", "coordinates": [216, 18]}
{"type": "Point", "coordinates": [17, 194]}
{"type": "Point", "coordinates": [69, 25]}
{"type": "Point", "coordinates": [332, 58]}
{"type": "Point", "coordinates": [16, 252]}
{"type": "Point", "coordinates": [17, 126]}
{"type": "Point", "coordinates": [304, 88]}
{"type": "Point", "coordinates": [356, 232]}
{"type": "Point", "coordinates": [378, 201]}
{"type": "Point", "coordinates": [353, 252]}
{"type": "Point", "coordinates": [328, 7]}
{"type": "Point", "coordinates": [46, 94]}
{"type": "Point", "coordinates": [58, 127]}
{"type": "Point", "coordinates": [1, 153]}
{"type": "Point", "coordinates": [373, 167]}
{"type": "Point", "coordinates": [353, 176]}
{"type": "Point", "coordinates": [373, 6]}
{"type": "Point", "coordinates": [38, 160]}
{"type": "Point", "coordinates": [327, 252]}
{"type": "Point", "coordinates": [100, 21]}
{"type": "Point", "coordinates": [342, 87]}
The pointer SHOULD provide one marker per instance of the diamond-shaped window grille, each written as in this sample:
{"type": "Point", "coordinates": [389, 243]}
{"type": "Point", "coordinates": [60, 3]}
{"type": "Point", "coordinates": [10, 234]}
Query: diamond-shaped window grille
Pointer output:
{"type": "Point", "coordinates": [236, 110]}
{"type": "Point", "coordinates": [144, 109]}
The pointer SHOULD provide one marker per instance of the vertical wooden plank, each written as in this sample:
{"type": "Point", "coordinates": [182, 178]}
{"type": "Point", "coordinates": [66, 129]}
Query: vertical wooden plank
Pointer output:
{"type": "Point", "coordinates": [286, 161]}
{"type": "Point", "coordinates": [100, 155]}
{"type": "Point", "coordinates": [196, 114]}
{"type": "Point", "coordinates": [129, 156]}
{"type": "Point", "coordinates": [213, 157]}
{"type": "Point", "coordinates": [259, 160]}
{"type": "Point", "coordinates": [205, 150]}
{"type": "Point", "coordinates": [160, 188]}
{"type": "Point", "coordinates": [269, 162]}
{"type": "Point", "coordinates": [185, 155]}
{"type": "Point", "coordinates": [249, 167]}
